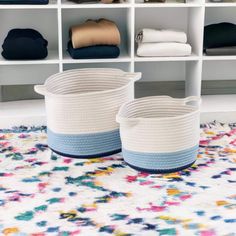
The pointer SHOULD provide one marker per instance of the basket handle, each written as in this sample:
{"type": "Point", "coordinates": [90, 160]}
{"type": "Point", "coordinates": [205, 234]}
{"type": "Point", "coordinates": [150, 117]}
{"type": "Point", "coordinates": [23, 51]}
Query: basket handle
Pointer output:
{"type": "Point", "coordinates": [41, 89]}
{"type": "Point", "coordinates": [133, 76]}
{"type": "Point", "coordinates": [196, 100]}
{"type": "Point", "coordinates": [125, 121]}
{"type": "Point", "coordinates": [183, 101]}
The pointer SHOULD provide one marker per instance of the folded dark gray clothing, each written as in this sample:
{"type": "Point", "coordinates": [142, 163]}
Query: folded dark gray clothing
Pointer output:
{"type": "Point", "coordinates": [93, 52]}
{"type": "Point", "coordinates": [219, 35]}
{"type": "Point", "coordinates": [221, 51]}
{"type": "Point", "coordinates": [30, 2]}
{"type": "Point", "coordinates": [24, 44]}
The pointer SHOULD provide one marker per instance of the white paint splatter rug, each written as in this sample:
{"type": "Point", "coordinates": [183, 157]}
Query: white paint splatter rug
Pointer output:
{"type": "Point", "coordinates": [44, 194]}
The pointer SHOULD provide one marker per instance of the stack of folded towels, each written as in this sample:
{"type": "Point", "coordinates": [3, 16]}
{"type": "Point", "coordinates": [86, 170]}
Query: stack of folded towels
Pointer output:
{"type": "Point", "coordinates": [162, 43]}
{"type": "Point", "coordinates": [94, 40]}
{"type": "Point", "coordinates": [24, 44]}
{"type": "Point", "coordinates": [31, 2]}
{"type": "Point", "coordinates": [220, 39]}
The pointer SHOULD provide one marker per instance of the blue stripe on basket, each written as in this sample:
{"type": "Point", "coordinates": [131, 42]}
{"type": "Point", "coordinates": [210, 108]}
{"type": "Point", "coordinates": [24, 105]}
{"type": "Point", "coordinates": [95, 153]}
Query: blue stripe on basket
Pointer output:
{"type": "Point", "coordinates": [161, 161]}
{"type": "Point", "coordinates": [84, 145]}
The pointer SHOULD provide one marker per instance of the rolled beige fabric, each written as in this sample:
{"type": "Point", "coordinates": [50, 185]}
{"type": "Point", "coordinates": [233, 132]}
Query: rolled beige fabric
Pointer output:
{"type": "Point", "coordinates": [90, 33]}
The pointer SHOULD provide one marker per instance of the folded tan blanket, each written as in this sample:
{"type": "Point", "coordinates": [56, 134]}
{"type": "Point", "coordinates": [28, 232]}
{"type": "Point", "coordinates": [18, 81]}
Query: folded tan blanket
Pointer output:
{"type": "Point", "coordinates": [90, 33]}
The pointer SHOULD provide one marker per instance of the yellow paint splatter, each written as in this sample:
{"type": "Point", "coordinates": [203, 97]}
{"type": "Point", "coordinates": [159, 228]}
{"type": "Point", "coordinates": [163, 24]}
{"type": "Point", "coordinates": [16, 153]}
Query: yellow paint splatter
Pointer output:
{"type": "Point", "coordinates": [172, 191]}
{"type": "Point", "coordinates": [221, 203]}
{"type": "Point", "coordinates": [9, 231]}
{"type": "Point", "coordinates": [210, 132]}
{"type": "Point", "coordinates": [119, 233]}
{"type": "Point", "coordinates": [169, 218]}
{"type": "Point", "coordinates": [92, 205]}
{"type": "Point", "coordinates": [199, 156]}
{"type": "Point", "coordinates": [170, 176]}
{"type": "Point", "coordinates": [228, 150]}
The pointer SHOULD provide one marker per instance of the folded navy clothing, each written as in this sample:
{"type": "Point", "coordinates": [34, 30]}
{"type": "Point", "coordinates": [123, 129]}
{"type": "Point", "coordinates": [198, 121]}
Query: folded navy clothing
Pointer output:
{"type": "Point", "coordinates": [94, 52]}
{"type": "Point", "coordinates": [24, 44]}
{"type": "Point", "coordinates": [35, 2]}
{"type": "Point", "coordinates": [219, 35]}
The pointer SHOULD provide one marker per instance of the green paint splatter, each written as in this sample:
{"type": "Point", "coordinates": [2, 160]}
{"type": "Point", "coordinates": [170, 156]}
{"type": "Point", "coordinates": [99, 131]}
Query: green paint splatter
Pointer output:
{"type": "Point", "coordinates": [47, 173]}
{"type": "Point", "coordinates": [170, 231]}
{"type": "Point", "coordinates": [53, 200]}
{"type": "Point", "coordinates": [53, 157]}
{"type": "Point", "coordinates": [60, 168]}
{"type": "Point", "coordinates": [41, 208]}
{"type": "Point", "coordinates": [17, 156]}
{"type": "Point", "coordinates": [26, 216]}
{"type": "Point", "coordinates": [64, 233]}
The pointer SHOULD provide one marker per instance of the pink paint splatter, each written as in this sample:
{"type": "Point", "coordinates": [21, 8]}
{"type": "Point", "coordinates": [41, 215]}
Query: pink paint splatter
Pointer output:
{"type": "Point", "coordinates": [146, 183]}
{"type": "Point", "coordinates": [157, 186]}
{"type": "Point", "coordinates": [38, 234]}
{"type": "Point", "coordinates": [67, 161]}
{"type": "Point", "coordinates": [152, 208]}
{"type": "Point", "coordinates": [74, 233]}
{"type": "Point", "coordinates": [131, 178]}
{"type": "Point", "coordinates": [42, 186]}
{"type": "Point", "coordinates": [207, 233]}
{"type": "Point", "coordinates": [233, 142]}
{"type": "Point", "coordinates": [172, 203]}
{"type": "Point", "coordinates": [232, 132]}
{"type": "Point", "coordinates": [24, 135]}
{"type": "Point", "coordinates": [7, 174]}
{"type": "Point", "coordinates": [184, 197]}
{"type": "Point", "coordinates": [143, 174]}
{"type": "Point", "coordinates": [204, 142]}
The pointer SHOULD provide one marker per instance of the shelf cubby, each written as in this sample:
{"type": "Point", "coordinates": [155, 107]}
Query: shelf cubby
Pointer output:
{"type": "Point", "coordinates": [182, 19]}
{"type": "Point", "coordinates": [120, 16]}
{"type": "Point", "coordinates": [44, 22]}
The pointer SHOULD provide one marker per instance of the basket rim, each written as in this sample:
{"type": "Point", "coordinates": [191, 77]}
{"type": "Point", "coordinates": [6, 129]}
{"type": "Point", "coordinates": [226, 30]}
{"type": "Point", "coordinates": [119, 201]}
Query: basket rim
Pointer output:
{"type": "Point", "coordinates": [120, 118]}
{"type": "Point", "coordinates": [131, 78]}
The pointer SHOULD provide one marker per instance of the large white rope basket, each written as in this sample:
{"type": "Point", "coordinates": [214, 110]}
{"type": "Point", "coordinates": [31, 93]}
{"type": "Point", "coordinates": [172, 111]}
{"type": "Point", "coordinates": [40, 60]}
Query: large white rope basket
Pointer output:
{"type": "Point", "coordinates": [160, 134]}
{"type": "Point", "coordinates": [81, 107]}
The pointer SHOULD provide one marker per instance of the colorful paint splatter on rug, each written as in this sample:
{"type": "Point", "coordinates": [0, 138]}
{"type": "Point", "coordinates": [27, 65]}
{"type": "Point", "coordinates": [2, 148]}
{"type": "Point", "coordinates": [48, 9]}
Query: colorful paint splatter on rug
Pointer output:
{"type": "Point", "coordinates": [45, 194]}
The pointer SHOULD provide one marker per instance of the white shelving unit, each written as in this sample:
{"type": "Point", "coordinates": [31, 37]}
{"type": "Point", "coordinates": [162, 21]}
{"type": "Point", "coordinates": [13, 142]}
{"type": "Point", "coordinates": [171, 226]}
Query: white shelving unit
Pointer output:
{"type": "Point", "coordinates": [55, 19]}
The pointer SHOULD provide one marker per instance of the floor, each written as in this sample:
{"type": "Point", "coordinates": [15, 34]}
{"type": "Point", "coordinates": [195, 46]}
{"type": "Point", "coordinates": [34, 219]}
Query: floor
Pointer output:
{"type": "Point", "coordinates": [45, 194]}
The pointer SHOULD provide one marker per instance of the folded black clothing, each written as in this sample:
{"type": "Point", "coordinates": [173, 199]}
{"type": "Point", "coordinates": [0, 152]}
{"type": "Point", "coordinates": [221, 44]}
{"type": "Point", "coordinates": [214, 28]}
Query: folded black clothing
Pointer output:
{"type": "Point", "coordinates": [83, 1]}
{"type": "Point", "coordinates": [31, 2]}
{"type": "Point", "coordinates": [24, 44]}
{"type": "Point", "coordinates": [222, 51]}
{"type": "Point", "coordinates": [219, 35]}
{"type": "Point", "coordinates": [94, 52]}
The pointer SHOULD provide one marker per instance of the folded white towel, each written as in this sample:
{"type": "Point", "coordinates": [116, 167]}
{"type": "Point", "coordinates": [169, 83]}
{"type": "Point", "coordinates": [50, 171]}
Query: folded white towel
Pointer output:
{"type": "Point", "coordinates": [158, 36]}
{"type": "Point", "coordinates": [163, 49]}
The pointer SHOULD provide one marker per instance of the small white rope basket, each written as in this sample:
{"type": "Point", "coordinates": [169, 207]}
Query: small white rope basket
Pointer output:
{"type": "Point", "coordinates": [81, 106]}
{"type": "Point", "coordinates": [160, 134]}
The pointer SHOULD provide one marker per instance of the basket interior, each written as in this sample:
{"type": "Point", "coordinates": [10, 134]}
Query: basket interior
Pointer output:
{"type": "Point", "coordinates": [84, 82]}
{"type": "Point", "coordinates": [155, 109]}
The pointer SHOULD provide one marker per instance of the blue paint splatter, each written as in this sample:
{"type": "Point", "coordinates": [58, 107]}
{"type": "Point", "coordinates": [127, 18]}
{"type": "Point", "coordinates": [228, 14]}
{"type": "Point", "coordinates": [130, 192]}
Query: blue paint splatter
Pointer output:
{"type": "Point", "coordinates": [31, 180]}
{"type": "Point", "coordinates": [56, 189]}
{"type": "Point", "coordinates": [200, 213]}
{"type": "Point", "coordinates": [41, 223]}
{"type": "Point", "coordinates": [230, 220]}
{"type": "Point", "coordinates": [52, 229]}
{"type": "Point", "coordinates": [71, 194]}
{"type": "Point", "coordinates": [135, 221]}
{"type": "Point", "coordinates": [216, 217]}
